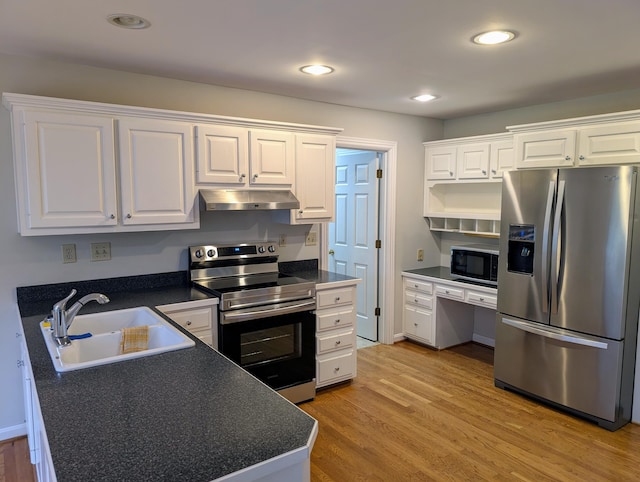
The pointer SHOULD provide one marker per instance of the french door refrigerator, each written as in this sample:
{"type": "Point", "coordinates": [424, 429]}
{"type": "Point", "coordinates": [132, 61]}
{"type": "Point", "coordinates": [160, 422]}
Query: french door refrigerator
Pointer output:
{"type": "Point", "coordinates": [569, 289]}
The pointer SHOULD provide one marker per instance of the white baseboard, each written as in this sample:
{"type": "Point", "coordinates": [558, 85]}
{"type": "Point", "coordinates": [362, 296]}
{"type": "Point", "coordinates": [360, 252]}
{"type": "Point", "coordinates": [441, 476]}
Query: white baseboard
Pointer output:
{"type": "Point", "coordinates": [398, 337]}
{"type": "Point", "coordinates": [14, 431]}
{"type": "Point", "coordinates": [484, 340]}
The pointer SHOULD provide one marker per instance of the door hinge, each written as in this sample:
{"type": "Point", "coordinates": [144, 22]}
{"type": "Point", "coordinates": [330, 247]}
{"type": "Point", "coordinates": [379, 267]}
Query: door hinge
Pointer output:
{"type": "Point", "coordinates": [378, 243]}
{"type": "Point", "coordinates": [379, 174]}
{"type": "Point", "coordinates": [376, 312]}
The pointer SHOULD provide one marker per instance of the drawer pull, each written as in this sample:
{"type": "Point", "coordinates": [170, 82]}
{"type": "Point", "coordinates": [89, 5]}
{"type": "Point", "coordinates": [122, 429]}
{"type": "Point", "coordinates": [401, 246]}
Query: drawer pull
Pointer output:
{"type": "Point", "coordinates": [415, 286]}
{"type": "Point", "coordinates": [336, 369]}
{"type": "Point", "coordinates": [337, 299]}
{"type": "Point", "coordinates": [188, 322]}
{"type": "Point", "coordinates": [446, 291]}
{"type": "Point", "coordinates": [337, 342]}
{"type": "Point", "coordinates": [415, 300]}
{"type": "Point", "coordinates": [481, 299]}
{"type": "Point", "coordinates": [337, 321]}
{"type": "Point", "coordinates": [415, 324]}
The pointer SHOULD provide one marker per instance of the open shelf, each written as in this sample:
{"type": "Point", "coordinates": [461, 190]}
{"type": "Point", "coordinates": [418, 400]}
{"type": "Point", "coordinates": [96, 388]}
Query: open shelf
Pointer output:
{"type": "Point", "coordinates": [483, 227]}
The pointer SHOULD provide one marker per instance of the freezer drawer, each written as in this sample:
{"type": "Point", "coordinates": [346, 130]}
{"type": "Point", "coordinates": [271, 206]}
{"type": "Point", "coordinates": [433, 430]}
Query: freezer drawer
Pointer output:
{"type": "Point", "coordinates": [578, 372]}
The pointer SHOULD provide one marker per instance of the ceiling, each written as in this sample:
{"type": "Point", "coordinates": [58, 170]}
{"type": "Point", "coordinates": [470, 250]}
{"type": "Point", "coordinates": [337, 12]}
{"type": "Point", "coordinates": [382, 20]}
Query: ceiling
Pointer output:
{"type": "Point", "coordinates": [383, 51]}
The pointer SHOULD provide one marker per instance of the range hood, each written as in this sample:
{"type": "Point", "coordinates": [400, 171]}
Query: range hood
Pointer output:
{"type": "Point", "coordinates": [247, 200]}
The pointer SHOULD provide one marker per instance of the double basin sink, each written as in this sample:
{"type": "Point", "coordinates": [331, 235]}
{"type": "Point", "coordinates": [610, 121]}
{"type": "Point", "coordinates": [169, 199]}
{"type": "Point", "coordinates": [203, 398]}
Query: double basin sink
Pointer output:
{"type": "Point", "coordinates": [103, 346]}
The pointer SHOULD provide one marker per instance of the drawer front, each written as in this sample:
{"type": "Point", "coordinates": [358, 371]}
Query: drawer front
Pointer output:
{"type": "Point", "coordinates": [341, 366]}
{"type": "Point", "coordinates": [449, 292]}
{"type": "Point", "coordinates": [418, 299]}
{"type": "Point", "coordinates": [331, 319]}
{"type": "Point", "coordinates": [416, 285]}
{"type": "Point", "coordinates": [193, 319]}
{"type": "Point", "coordinates": [482, 299]}
{"type": "Point", "coordinates": [332, 342]}
{"type": "Point", "coordinates": [335, 297]}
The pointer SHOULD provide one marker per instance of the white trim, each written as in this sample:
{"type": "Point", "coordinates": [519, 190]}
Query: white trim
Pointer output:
{"type": "Point", "coordinates": [7, 433]}
{"type": "Point", "coordinates": [387, 214]}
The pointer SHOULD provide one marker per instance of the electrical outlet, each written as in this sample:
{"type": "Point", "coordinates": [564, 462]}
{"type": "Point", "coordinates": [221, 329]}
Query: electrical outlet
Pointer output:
{"type": "Point", "coordinates": [312, 239]}
{"type": "Point", "coordinates": [100, 251]}
{"type": "Point", "coordinates": [283, 240]}
{"type": "Point", "coordinates": [69, 253]}
{"type": "Point", "coordinates": [421, 255]}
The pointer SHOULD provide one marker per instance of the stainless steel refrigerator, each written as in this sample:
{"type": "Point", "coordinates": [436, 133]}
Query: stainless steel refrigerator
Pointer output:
{"type": "Point", "coordinates": [569, 289]}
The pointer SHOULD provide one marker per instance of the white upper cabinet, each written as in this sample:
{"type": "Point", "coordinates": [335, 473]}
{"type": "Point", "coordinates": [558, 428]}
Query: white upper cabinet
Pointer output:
{"type": "Point", "coordinates": [584, 141]}
{"type": "Point", "coordinates": [156, 171]}
{"type": "Point", "coordinates": [222, 154]}
{"type": "Point", "coordinates": [502, 158]}
{"type": "Point", "coordinates": [440, 162]}
{"type": "Point", "coordinates": [65, 170]}
{"type": "Point", "coordinates": [553, 148]}
{"type": "Point", "coordinates": [241, 157]}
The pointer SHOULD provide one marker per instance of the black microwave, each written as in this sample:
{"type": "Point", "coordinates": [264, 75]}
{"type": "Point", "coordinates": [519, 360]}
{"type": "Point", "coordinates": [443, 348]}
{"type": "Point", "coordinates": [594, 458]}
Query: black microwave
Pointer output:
{"type": "Point", "coordinates": [475, 262]}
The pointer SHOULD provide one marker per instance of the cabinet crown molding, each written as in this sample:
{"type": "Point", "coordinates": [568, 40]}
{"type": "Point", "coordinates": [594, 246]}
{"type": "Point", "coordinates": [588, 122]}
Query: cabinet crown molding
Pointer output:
{"type": "Point", "coordinates": [11, 100]}
{"type": "Point", "coordinates": [502, 136]}
{"type": "Point", "coordinates": [630, 115]}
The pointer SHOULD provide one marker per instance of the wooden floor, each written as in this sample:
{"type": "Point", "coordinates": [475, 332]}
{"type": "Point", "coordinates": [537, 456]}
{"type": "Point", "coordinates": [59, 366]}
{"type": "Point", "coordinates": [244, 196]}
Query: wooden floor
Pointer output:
{"type": "Point", "coordinates": [417, 414]}
{"type": "Point", "coordinates": [15, 465]}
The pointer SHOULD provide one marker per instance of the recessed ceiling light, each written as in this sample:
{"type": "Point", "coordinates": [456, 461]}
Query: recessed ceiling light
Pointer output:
{"type": "Point", "coordinates": [316, 69]}
{"type": "Point", "coordinates": [494, 37]}
{"type": "Point", "coordinates": [424, 97]}
{"type": "Point", "coordinates": [126, 20]}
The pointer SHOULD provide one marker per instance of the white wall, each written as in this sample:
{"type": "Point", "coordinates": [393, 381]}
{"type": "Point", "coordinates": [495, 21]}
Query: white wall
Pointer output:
{"type": "Point", "coordinates": [37, 260]}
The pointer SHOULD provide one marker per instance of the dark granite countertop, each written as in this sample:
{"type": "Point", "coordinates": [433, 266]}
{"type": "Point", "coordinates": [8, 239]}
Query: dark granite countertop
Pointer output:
{"type": "Point", "coordinates": [444, 273]}
{"type": "Point", "coordinates": [308, 269]}
{"type": "Point", "coordinates": [187, 415]}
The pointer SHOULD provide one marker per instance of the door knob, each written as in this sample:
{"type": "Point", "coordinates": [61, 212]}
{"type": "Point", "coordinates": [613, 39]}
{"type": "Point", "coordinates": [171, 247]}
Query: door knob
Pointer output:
{"type": "Point", "coordinates": [332, 252]}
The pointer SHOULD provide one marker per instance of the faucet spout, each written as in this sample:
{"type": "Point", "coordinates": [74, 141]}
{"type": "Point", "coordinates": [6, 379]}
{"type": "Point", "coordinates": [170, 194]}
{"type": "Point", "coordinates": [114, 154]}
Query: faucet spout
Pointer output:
{"type": "Point", "coordinates": [62, 318]}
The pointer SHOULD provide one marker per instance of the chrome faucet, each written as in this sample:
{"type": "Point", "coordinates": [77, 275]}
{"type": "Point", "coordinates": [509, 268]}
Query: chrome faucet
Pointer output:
{"type": "Point", "coordinates": [62, 318]}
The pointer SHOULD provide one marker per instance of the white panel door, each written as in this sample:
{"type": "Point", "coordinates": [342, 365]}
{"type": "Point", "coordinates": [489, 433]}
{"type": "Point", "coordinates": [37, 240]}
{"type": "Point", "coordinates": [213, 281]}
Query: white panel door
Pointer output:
{"type": "Point", "coordinates": [353, 235]}
{"type": "Point", "coordinates": [156, 171]}
{"type": "Point", "coordinates": [70, 178]}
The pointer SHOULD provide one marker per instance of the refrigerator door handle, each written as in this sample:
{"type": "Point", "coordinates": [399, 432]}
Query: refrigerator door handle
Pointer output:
{"type": "Point", "coordinates": [521, 325]}
{"type": "Point", "coordinates": [555, 248]}
{"type": "Point", "coordinates": [545, 247]}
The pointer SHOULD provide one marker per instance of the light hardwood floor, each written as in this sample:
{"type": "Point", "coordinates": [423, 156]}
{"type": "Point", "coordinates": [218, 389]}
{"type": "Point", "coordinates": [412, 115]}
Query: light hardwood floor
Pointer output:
{"type": "Point", "coordinates": [417, 414]}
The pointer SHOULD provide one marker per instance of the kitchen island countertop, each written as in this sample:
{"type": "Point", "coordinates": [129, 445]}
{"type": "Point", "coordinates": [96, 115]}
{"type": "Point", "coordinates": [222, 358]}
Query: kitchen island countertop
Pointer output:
{"type": "Point", "coordinates": [189, 415]}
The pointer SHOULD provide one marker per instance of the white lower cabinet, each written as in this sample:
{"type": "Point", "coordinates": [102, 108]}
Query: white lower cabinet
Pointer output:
{"type": "Point", "coordinates": [198, 317]}
{"type": "Point", "coordinates": [39, 452]}
{"type": "Point", "coordinates": [336, 350]}
{"type": "Point", "coordinates": [440, 313]}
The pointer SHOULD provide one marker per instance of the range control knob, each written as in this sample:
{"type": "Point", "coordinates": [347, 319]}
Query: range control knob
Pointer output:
{"type": "Point", "coordinates": [199, 253]}
{"type": "Point", "coordinates": [261, 249]}
{"type": "Point", "coordinates": [272, 249]}
{"type": "Point", "coordinates": [211, 253]}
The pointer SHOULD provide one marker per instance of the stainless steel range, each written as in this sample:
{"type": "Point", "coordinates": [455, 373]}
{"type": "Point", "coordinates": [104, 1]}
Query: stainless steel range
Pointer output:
{"type": "Point", "coordinates": [266, 320]}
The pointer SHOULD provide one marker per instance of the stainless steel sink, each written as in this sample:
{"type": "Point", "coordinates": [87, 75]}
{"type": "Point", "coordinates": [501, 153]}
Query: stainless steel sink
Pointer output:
{"type": "Point", "coordinates": [103, 346]}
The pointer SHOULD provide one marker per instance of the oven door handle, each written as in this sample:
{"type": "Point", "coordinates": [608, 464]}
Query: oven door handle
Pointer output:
{"type": "Point", "coordinates": [266, 311]}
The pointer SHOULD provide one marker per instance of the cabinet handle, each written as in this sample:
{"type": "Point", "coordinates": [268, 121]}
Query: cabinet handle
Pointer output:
{"type": "Point", "coordinates": [188, 322]}
{"type": "Point", "coordinates": [446, 291]}
{"type": "Point", "coordinates": [484, 172]}
{"type": "Point", "coordinates": [567, 158]}
{"type": "Point", "coordinates": [129, 216]}
{"type": "Point", "coordinates": [415, 286]}
{"type": "Point", "coordinates": [113, 216]}
{"type": "Point", "coordinates": [493, 171]}
{"type": "Point", "coordinates": [451, 173]}
{"type": "Point", "coordinates": [415, 300]}
{"type": "Point", "coordinates": [336, 369]}
{"type": "Point", "coordinates": [415, 324]}
{"type": "Point", "coordinates": [338, 342]}
{"type": "Point", "coordinates": [242, 176]}
{"type": "Point", "coordinates": [481, 299]}
{"type": "Point", "coordinates": [301, 211]}
{"type": "Point", "coordinates": [581, 158]}
{"type": "Point", "coordinates": [337, 299]}
{"type": "Point", "coordinates": [255, 176]}
{"type": "Point", "coordinates": [337, 321]}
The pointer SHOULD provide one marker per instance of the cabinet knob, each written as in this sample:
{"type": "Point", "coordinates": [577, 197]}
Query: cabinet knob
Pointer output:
{"type": "Point", "coordinates": [113, 216]}
{"type": "Point", "coordinates": [188, 322]}
{"type": "Point", "coordinates": [581, 158]}
{"type": "Point", "coordinates": [493, 171]}
{"type": "Point", "coordinates": [337, 299]}
{"type": "Point", "coordinates": [567, 158]}
{"type": "Point", "coordinates": [415, 300]}
{"type": "Point", "coordinates": [242, 176]}
{"type": "Point", "coordinates": [255, 176]}
{"type": "Point", "coordinates": [129, 216]}
{"type": "Point", "coordinates": [337, 321]}
{"type": "Point", "coordinates": [446, 291]}
{"type": "Point", "coordinates": [301, 211]}
{"type": "Point", "coordinates": [451, 173]}
{"type": "Point", "coordinates": [415, 324]}
{"type": "Point", "coordinates": [484, 172]}
{"type": "Point", "coordinates": [415, 286]}
{"type": "Point", "coordinates": [336, 369]}
{"type": "Point", "coordinates": [481, 299]}
{"type": "Point", "coordinates": [338, 342]}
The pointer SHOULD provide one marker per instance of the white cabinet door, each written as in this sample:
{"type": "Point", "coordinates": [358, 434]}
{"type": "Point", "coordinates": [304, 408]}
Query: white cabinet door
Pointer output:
{"type": "Point", "coordinates": [315, 181]}
{"type": "Point", "coordinates": [156, 171]}
{"type": "Point", "coordinates": [552, 148]}
{"type": "Point", "coordinates": [473, 161]}
{"type": "Point", "coordinates": [502, 158]}
{"type": "Point", "coordinates": [222, 154]}
{"type": "Point", "coordinates": [609, 144]}
{"type": "Point", "coordinates": [66, 174]}
{"type": "Point", "coordinates": [271, 157]}
{"type": "Point", "coordinates": [441, 163]}
{"type": "Point", "coordinates": [418, 323]}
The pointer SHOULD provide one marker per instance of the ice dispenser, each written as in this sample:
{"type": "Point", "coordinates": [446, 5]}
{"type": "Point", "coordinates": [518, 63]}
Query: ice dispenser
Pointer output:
{"type": "Point", "coordinates": [521, 248]}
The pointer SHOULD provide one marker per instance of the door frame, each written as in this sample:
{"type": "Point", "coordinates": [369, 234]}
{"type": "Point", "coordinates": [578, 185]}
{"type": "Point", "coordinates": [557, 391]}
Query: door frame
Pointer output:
{"type": "Point", "coordinates": [387, 228]}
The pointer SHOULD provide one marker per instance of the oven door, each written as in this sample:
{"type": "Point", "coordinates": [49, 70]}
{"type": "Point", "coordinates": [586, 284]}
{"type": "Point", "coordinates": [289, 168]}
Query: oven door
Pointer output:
{"type": "Point", "coordinates": [275, 343]}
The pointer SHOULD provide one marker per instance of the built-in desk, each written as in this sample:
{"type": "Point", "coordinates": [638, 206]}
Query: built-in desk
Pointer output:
{"type": "Point", "coordinates": [442, 312]}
